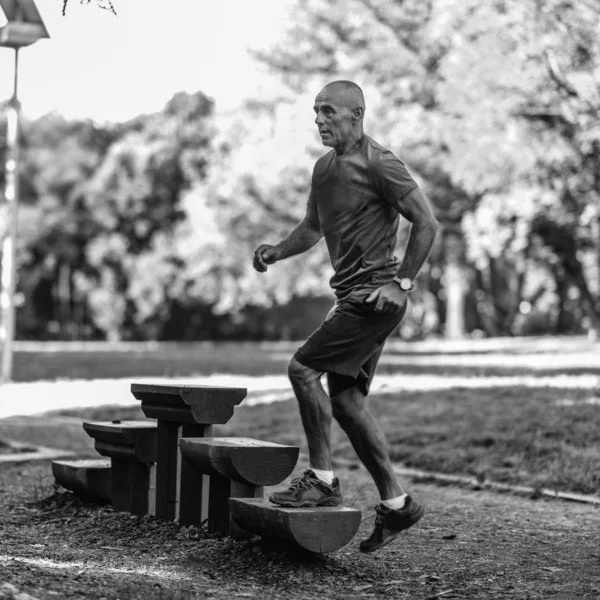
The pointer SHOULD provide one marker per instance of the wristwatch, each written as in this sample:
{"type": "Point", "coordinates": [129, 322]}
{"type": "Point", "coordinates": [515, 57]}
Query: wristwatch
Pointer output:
{"type": "Point", "coordinates": [405, 283]}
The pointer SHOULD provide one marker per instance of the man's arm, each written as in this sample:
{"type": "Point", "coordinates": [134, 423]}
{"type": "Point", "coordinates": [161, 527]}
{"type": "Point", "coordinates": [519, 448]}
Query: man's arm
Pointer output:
{"type": "Point", "coordinates": [415, 207]}
{"type": "Point", "coordinates": [302, 238]}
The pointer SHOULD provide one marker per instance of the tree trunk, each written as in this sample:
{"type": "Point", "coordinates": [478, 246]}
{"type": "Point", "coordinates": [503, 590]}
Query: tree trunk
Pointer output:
{"type": "Point", "coordinates": [574, 271]}
{"type": "Point", "coordinates": [456, 287]}
{"type": "Point", "coordinates": [562, 323]}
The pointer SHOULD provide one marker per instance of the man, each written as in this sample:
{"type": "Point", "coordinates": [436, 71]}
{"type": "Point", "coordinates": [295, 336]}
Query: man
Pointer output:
{"type": "Point", "coordinates": [358, 192]}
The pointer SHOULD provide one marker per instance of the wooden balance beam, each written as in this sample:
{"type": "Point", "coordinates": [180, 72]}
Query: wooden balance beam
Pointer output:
{"type": "Point", "coordinates": [87, 478]}
{"type": "Point", "coordinates": [319, 530]}
{"type": "Point", "coordinates": [131, 447]}
{"type": "Point", "coordinates": [183, 411]}
{"type": "Point", "coordinates": [238, 468]}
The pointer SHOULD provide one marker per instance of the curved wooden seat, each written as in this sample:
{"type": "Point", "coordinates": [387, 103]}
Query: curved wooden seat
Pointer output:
{"type": "Point", "coordinates": [252, 462]}
{"type": "Point", "coordinates": [87, 478]}
{"type": "Point", "coordinates": [319, 530]}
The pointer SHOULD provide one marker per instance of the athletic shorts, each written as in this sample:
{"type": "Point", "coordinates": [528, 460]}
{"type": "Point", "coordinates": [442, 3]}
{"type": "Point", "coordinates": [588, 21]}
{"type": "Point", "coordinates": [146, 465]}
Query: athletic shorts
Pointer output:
{"type": "Point", "coordinates": [348, 344]}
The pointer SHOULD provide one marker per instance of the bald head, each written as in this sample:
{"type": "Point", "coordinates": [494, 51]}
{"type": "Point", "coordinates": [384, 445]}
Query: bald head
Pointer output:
{"type": "Point", "coordinates": [347, 93]}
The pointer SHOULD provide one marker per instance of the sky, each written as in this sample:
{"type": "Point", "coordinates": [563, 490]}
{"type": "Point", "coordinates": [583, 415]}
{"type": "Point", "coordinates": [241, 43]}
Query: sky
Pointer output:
{"type": "Point", "coordinates": [112, 68]}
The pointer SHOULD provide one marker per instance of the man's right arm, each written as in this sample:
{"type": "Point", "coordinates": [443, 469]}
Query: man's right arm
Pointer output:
{"type": "Point", "coordinates": [302, 238]}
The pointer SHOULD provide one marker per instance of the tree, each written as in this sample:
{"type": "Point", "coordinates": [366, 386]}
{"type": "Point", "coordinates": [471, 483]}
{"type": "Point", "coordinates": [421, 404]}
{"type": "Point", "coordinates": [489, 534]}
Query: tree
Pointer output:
{"type": "Point", "coordinates": [135, 196]}
{"type": "Point", "coordinates": [101, 217]}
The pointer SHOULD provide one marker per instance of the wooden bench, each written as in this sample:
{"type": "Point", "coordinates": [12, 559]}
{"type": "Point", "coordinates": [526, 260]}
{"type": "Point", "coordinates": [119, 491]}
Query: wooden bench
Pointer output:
{"type": "Point", "coordinates": [183, 411]}
{"type": "Point", "coordinates": [238, 468]}
{"type": "Point", "coordinates": [318, 530]}
{"type": "Point", "coordinates": [88, 478]}
{"type": "Point", "coordinates": [131, 447]}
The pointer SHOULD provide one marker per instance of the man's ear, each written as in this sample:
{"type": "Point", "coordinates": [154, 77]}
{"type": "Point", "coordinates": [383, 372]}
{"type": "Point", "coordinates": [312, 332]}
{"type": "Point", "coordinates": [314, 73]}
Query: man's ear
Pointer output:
{"type": "Point", "coordinates": [358, 113]}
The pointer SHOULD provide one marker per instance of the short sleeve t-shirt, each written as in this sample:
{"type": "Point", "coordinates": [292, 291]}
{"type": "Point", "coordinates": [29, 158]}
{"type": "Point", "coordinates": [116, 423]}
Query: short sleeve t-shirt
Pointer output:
{"type": "Point", "coordinates": [354, 196]}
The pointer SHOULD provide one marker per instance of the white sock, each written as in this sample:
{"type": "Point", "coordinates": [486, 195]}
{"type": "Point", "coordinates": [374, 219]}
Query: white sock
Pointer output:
{"type": "Point", "coordinates": [326, 476]}
{"type": "Point", "coordinates": [395, 503]}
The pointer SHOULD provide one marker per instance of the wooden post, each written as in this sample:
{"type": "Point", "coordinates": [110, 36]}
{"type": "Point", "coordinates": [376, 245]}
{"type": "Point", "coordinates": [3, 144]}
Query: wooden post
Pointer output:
{"type": "Point", "coordinates": [218, 509]}
{"type": "Point", "coordinates": [192, 489]}
{"type": "Point", "coordinates": [152, 489]}
{"type": "Point", "coordinates": [221, 489]}
{"type": "Point", "coordinates": [166, 470]}
{"type": "Point", "coordinates": [120, 484]}
{"type": "Point", "coordinates": [242, 490]}
{"type": "Point", "coordinates": [139, 488]}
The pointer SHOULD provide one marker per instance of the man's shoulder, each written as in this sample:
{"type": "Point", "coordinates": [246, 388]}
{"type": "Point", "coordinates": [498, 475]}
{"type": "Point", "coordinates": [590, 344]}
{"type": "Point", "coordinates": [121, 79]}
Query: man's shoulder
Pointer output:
{"type": "Point", "coordinates": [388, 172]}
{"type": "Point", "coordinates": [375, 153]}
{"type": "Point", "coordinates": [321, 166]}
{"type": "Point", "coordinates": [324, 160]}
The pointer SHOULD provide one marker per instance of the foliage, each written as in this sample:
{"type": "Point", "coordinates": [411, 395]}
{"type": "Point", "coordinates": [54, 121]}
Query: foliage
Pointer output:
{"type": "Point", "coordinates": [146, 229]}
{"type": "Point", "coordinates": [99, 225]}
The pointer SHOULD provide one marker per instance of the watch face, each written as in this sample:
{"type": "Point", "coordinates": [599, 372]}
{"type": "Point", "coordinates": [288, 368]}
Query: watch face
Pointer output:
{"type": "Point", "coordinates": [405, 284]}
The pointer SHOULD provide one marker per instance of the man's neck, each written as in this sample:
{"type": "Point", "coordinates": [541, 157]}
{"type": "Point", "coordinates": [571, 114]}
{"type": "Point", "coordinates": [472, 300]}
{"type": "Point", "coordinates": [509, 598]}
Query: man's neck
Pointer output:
{"type": "Point", "coordinates": [349, 144]}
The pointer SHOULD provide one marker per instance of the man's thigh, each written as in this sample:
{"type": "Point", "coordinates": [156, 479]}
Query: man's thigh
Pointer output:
{"type": "Point", "coordinates": [337, 384]}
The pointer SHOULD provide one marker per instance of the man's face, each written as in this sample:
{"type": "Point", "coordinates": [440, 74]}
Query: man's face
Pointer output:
{"type": "Point", "coordinates": [333, 118]}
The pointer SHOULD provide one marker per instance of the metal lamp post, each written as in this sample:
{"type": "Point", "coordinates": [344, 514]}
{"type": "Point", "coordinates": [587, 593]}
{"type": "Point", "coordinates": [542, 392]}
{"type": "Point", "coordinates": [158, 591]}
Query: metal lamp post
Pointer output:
{"type": "Point", "coordinates": [24, 27]}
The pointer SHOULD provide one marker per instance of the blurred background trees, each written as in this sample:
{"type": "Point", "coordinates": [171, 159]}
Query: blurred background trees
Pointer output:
{"type": "Point", "coordinates": [145, 229]}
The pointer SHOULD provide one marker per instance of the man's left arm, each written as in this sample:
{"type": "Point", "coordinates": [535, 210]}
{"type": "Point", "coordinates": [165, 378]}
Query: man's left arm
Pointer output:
{"type": "Point", "coordinates": [416, 208]}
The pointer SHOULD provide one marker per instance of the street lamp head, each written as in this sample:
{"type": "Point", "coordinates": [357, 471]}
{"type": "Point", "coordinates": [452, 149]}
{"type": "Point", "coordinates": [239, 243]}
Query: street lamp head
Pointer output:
{"type": "Point", "coordinates": [25, 25]}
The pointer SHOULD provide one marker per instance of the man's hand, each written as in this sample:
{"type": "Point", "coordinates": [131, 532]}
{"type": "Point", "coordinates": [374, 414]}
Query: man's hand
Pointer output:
{"type": "Point", "coordinates": [265, 255]}
{"type": "Point", "coordinates": [388, 299]}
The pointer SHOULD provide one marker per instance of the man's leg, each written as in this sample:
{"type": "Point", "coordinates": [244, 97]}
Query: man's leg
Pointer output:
{"type": "Point", "coordinates": [318, 486]}
{"type": "Point", "coordinates": [315, 411]}
{"type": "Point", "coordinates": [350, 410]}
{"type": "Point", "coordinates": [397, 510]}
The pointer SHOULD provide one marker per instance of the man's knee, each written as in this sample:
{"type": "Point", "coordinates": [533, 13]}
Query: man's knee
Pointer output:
{"type": "Point", "coordinates": [301, 375]}
{"type": "Point", "coordinates": [348, 405]}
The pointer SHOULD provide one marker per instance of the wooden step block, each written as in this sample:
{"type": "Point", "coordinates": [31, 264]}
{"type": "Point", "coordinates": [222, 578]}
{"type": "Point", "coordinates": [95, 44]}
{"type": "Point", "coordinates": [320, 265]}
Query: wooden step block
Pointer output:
{"type": "Point", "coordinates": [89, 479]}
{"type": "Point", "coordinates": [319, 530]}
{"type": "Point", "coordinates": [239, 468]}
{"type": "Point", "coordinates": [207, 405]}
{"type": "Point", "coordinates": [130, 440]}
{"type": "Point", "coordinates": [131, 446]}
{"type": "Point", "coordinates": [183, 411]}
{"type": "Point", "coordinates": [249, 461]}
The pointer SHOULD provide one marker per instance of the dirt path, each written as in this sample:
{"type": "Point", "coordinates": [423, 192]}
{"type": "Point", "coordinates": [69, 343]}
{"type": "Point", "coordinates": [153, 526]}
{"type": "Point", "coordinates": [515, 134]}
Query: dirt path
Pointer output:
{"type": "Point", "coordinates": [472, 544]}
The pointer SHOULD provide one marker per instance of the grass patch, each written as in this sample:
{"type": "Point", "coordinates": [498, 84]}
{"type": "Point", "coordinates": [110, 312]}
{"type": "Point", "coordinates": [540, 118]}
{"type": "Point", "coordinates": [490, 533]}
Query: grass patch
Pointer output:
{"type": "Point", "coordinates": [170, 360]}
{"type": "Point", "coordinates": [540, 437]}
{"type": "Point", "coordinates": [50, 432]}
{"type": "Point", "coordinates": [7, 448]}
{"type": "Point", "coordinates": [514, 435]}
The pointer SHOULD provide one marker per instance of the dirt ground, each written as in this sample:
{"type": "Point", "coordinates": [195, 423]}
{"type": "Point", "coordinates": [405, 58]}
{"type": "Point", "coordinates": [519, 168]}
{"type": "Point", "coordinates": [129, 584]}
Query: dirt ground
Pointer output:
{"type": "Point", "coordinates": [471, 544]}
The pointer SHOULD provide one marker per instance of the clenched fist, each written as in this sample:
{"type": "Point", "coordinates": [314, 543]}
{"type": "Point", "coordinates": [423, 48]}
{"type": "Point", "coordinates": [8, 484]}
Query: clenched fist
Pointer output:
{"type": "Point", "coordinates": [265, 255]}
